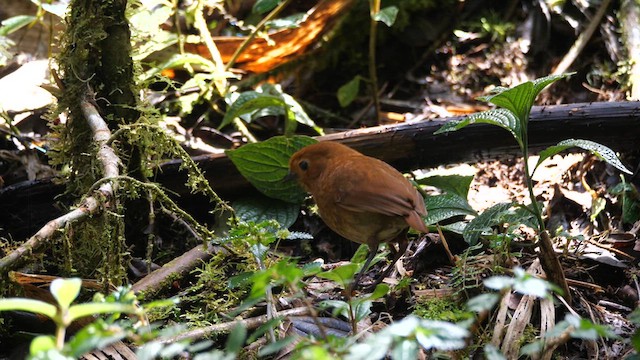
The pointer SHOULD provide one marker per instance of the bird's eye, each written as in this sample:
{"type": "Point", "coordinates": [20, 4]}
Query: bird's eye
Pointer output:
{"type": "Point", "coordinates": [304, 165]}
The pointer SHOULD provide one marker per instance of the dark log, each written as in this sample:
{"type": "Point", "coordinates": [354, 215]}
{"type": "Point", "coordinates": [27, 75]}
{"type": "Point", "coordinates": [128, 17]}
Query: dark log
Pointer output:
{"type": "Point", "coordinates": [406, 146]}
{"type": "Point", "coordinates": [413, 145]}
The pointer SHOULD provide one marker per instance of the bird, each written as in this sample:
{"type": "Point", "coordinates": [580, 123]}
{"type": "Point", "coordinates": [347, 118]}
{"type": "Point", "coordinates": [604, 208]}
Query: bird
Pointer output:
{"type": "Point", "coordinates": [361, 198]}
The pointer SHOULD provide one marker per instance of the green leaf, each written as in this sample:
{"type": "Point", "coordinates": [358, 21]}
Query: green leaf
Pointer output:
{"type": "Point", "coordinates": [499, 282]}
{"type": "Point", "coordinates": [269, 99]}
{"type": "Point", "coordinates": [97, 335]}
{"type": "Point", "coordinates": [483, 302]}
{"type": "Point", "coordinates": [179, 60]}
{"type": "Point", "coordinates": [362, 309]}
{"type": "Point", "coordinates": [299, 115]}
{"type": "Point", "coordinates": [445, 206]}
{"type": "Point", "coordinates": [361, 254]}
{"type": "Point", "coordinates": [483, 222]}
{"type": "Point", "coordinates": [519, 99]}
{"type": "Point", "coordinates": [87, 309]}
{"type": "Point", "coordinates": [380, 291]}
{"type": "Point", "coordinates": [500, 117]}
{"type": "Point", "coordinates": [387, 15]}
{"type": "Point", "coordinates": [30, 305]}
{"type": "Point", "coordinates": [405, 350]}
{"type": "Point", "coordinates": [348, 92]}
{"type": "Point", "coordinates": [453, 184]}
{"type": "Point", "coordinates": [263, 6]}
{"type": "Point", "coordinates": [456, 227]}
{"type": "Point", "coordinates": [586, 330]}
{"type": "Point", "coordinates": [258, 208]}
{"type": "Point", "coordinates": [528, 284]}
{"type": "Point", "coordinates": [248, 102]}
{"type": "Point", "coordinates": [15, 23]}
{"type": "Point", "coordinates": [65, 291]}
{"type": "Point", "coordinates": [441, 335]}
{"type": "Point", "coordinates": [41, 344]}
{"type": "Point", "coordinates": [599, 150]}
{"type": "Point", "coordinates": [237, 337]}
{"type": "Point", "coordinates": [339, 307]}
{"type": "Point", "coordinates": [266, 164]}
{"type": "Point", "coordinates": [272, 348]}
{"type": "Point", "coordinates": [342, 275]}
{"type": "Point", "coordinates": [491, 352]}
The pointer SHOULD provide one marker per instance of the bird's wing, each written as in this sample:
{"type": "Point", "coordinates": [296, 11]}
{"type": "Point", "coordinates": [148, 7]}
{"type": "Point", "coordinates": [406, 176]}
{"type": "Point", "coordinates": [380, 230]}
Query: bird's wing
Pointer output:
{"type": "Point", "coordinates": [376, 191]}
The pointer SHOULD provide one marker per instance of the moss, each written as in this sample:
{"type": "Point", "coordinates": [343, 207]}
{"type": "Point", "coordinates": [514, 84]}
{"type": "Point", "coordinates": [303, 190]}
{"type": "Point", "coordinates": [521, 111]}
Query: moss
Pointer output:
{"type": "Point", "coordinates": [444, 308]}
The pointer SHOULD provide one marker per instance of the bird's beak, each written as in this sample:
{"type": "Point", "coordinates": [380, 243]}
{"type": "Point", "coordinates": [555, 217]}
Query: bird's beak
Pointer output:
{"type": "Point", "coordinates": [290, 176]}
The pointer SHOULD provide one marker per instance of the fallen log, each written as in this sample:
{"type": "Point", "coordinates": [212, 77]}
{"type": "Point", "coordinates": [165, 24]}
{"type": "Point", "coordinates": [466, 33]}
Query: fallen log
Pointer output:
{"type": "Point", "coordinates": [412, 145]}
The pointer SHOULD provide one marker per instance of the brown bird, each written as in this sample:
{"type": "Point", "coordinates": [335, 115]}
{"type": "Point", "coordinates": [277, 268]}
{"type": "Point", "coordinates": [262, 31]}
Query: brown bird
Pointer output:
{"type": "Point", "coordinates": [361, 198]}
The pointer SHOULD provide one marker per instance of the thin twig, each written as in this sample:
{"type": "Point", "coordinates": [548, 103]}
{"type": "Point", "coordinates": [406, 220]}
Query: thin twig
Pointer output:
{"type": "Point", "coordinates": [101, 198]}
{"type": "Point", "coordinates": [250, 323]}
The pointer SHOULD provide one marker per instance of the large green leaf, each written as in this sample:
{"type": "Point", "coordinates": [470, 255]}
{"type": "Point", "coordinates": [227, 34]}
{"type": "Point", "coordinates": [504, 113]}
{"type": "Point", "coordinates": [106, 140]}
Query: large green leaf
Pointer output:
{"type": "Point", "coordinates": [445, 206]}
{"type": "Point", "coordinates": [453, 184]}
{"type": "Point", "coordinates": [483, 222]}
{"type": "Point", "coordinates": [600, 150]}
{"type": "Point", "coordinates": [261, 208]}
{"type": "Point", "coordinates": [266, 164]}
{"type": "Point", "coordinates": [519, 99]}
{"type": "Point", "coordinates": [504, 118]}
{"type": "Point", "coordinates": [269, 97]}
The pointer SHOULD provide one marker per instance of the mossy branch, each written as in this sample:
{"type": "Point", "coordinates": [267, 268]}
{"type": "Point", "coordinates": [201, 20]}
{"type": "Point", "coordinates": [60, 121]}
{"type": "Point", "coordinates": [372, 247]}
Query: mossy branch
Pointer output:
{"type": "Point", "coordinates": [100, 199]}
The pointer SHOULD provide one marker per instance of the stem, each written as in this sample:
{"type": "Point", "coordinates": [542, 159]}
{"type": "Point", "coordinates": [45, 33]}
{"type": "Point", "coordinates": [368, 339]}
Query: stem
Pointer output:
{"type": "Point", "coordinates": [374, 8]}
{"type": "Point", "coordinates": [61, 332]}
{"type": "Point", "coordinates": [534, 204]}
{"type": "Point", "coordinates": [272, 312]}
{"type": "Point", "coordinates": [548, 257]}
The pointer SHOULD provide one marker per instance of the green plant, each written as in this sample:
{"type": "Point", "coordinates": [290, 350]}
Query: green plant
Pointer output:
{"type": "Point", "coordinates": [572, 327]}
{"type": "Point", "coordinates": [65, 291]}
{"type": "Point", "coordinates": [358, 307]}
{"type": "Point", "coordinates": [514, 106]}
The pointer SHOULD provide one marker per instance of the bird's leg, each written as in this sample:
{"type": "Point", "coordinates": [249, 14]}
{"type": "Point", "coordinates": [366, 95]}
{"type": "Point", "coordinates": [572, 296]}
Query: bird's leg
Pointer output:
{"type": "Point", "coordinates": [373, 249]}
{"type": "Point", "coordinates": [403, 243]}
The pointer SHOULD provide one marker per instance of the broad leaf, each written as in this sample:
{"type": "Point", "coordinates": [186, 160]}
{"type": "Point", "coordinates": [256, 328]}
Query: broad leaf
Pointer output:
{"type": "Point", "coordinates": [483, 222]}
{"type": "Point", "coordinates": [342, 275]}
{"type": "Point", "coordinates": [453, 184]}
{"type": "Point", "coordinates": [519, 99]}
{"type": "Point", "coordinates": [266, 164]}
{"type": "Point", "coordinates": [445, 206]}
{"type": "Point", "coordinates": [260, 208]}
{"type": "Point", "coordinates": [268, 99]}
{"type": "Point", "coordinates": [599, 150]}
{"type": "Point", "coordinates": [504, 118]}
{"type": "Point", "coordinates": [249, 102]}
